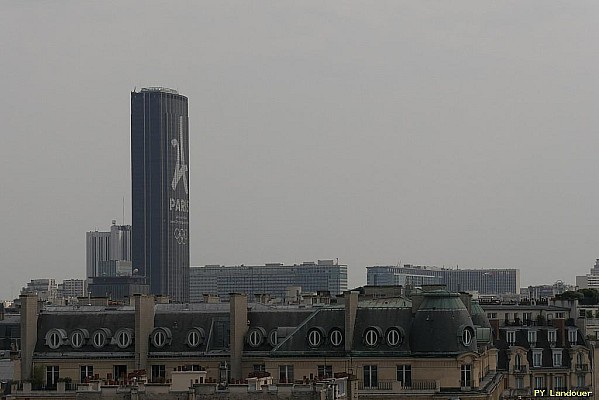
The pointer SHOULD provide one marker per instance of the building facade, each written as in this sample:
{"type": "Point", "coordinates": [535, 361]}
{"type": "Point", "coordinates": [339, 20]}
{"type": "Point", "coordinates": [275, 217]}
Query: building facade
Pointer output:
{"type": "Point", "coordinates": [485, 281]}
{"type": "Point", "coordinates": [160, 190]}
{"type": "Point", "coordinates": [272, 279]}
{"type": "Point", "coordinates": [437, 346]}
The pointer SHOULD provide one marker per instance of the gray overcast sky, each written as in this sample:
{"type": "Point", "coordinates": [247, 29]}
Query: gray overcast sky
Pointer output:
{"type": "Point", "coordinates": [426, 132]}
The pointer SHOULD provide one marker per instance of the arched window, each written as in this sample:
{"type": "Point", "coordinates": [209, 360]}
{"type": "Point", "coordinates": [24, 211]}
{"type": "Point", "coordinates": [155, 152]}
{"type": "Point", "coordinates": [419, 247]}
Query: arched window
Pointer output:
{"type": "Point", "coordinates": [195, 337]}
{"type": "Point", "coordinates": [467, 336]}
{"type": "Point", "coordinates": [99, 338]}
{"type": "Point", "coordinates": [77, 339]}
{"type": "Point", "coordinates": [394, 337]}
{"type": "Point", "coordinates": [371, 337]}
{"type": "Point", "coordinates": [315, 337]}
{"type": "Point", "coordinates": [124, 338]}
{"type": "Point", "coordinates": [256, 337]}
{"type": "Point", "coordinates": [336, 337]}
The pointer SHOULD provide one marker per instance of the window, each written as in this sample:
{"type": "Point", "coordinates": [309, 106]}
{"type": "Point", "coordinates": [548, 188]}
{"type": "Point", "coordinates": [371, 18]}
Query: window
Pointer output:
{"type": "Point", "coordinates": [580, 380]}
{"type": "Point", "coordinates": [572, 337]}
{"type": "Point", "coordinates": [285, 373]}
{"type": "Point", "coordinates": [55, 337]}
{"type": "Point", "coordinates": [314, 337]}
{"type": "Point", "coordinates": [557, 358]}
{"type": "Point", "coordinates": [466, 375]}
{"type": "Point", "coordinates": [52, 375]}
{"type": "Point", "coordinates": [558, 382]}
{"type": "Point", "coordinates": [336, 337]}
{"type": "Point", "coordinates": [370, 377]}
{"type": "Point", "coordinates": [158, 373]}
{"type": "Point", "coordinates": [259, 367]}
{"type": "Point", "coordinates": [86, 372]}
{"type": "Point", "coordinates": [120, 372]}
{"type": "Point", "coordinates": [99, 339]}
{"type": "Point", "coordinates": [527, 317]}
{"type": "Point", "coordinates": [552, 337]}
{"type": "Point", "coordinates": [404, 375]}
{"type": "Point", "coordinates": [123, 338]}
{"type": "Point", "coordinates": [537, 358]}
{"type": "Point", "coordinates": [195, 337]}
{"type": "Point", "coordinates": [511, 337]}
{"type": "Point", "coordinates": [532, 338]}
{"type": "Point", "coordinates": [579, 360]}
{"type": "Point", "coordinates": [77, 339]}
{"type": "Point", "coordinates": [517, 362]}
{"type": "Point", "coordinates": [371, 337]}
{"type": "Point", "coordinates": [159, 338]}
{"type": "Point", "coordinates": [519, 382]}
{"type": "Point", "coordinates": [256, 337]}
{"type": "Point", "coordinates": [559, 315]}
{"type": "Point", "coordinates": [539, 382]}
{"type": "Point", "coordinates": [492, 315]}
{"type": "Point", "coordinates": [467, 336]}
{"type": "Point", "coordinates": [273, 338]}
{"type": "Point", "coordinates": [325, 371]}
{"type": "Point", "coordinates": [393, 337]}
{"type": "Point", "coordinates": [507, 316]}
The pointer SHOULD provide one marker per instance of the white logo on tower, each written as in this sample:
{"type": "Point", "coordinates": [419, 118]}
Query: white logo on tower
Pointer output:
{"type": "Point", "coordinates": [180, 166]}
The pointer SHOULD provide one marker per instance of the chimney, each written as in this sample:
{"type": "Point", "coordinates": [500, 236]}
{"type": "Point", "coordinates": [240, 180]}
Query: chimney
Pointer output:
{"type": "Point", "coordinates": [144, 325]}
{"type": "Point", "coordinates": [351, 309]}
{"type": "Point", "coordinates": [467, 300]}
{"type": "Point", "coordinates": [238, 306]}
{"type": "Point", "coordinates": [29, 316]}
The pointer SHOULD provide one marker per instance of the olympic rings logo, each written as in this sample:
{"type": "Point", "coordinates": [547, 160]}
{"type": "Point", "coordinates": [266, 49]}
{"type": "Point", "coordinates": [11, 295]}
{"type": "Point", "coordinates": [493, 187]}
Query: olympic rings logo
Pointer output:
{"type": "Point", "coordinates": [180, 235]}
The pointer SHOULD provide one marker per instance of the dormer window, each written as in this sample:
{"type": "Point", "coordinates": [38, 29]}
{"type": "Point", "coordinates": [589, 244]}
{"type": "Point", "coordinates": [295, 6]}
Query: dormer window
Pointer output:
{"type": "Point", "coordinates": [532, 338]}
{"type": "Point", "coordinates": [572, 337]}
{"type": "Point", "coordinates": [537, 357]}
{"type": "Point", "coordinates": [336, 337]}
{"type": "Point", "coordinates": [315, 337]}
{"type": "Point", "coordinates": [552, 337]}
{"type": "Point", "coordinates": [55, 338]}
{"type": "Point", "coordinates": [511, 337]}
{"type": "Point", "coordinates": [256, 336]}
{"type": "Point", "coordinates": [371, 337]}
{"type": "Point", "coordinates": [467, 335]}
{"type": "Point", "coordinates": [557, 357]}
{"type": "Point", "coordinates": [195, 337]}
{"type": "Point", "coordinates": [99, 338]}
{"type": "Point", "coordinates": [123, 338]}
{"type": "Point", "coordinates": [161, 337]}
{"type": "Point", "coordinates": [78, 338]}
{"type": "Point", "coordinates": [394, 337]}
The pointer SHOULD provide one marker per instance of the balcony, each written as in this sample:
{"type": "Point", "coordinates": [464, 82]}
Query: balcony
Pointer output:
{"type": "Point", "coordinates": [379, 385]}
{"type": "Point", "coordinates": [423, 384]}
{"type": "Point", "coordinates": [582, 367]}
{"type": "Point", "coordinates": [420, 385]}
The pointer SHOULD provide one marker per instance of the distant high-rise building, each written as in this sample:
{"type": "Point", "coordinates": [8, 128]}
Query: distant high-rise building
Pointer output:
{"type": "Point", "coordinates": [71, 288]}
{"type": "Point", "coordinates": [160, 190]}
{"type": "Point", "coordinates": [589, 281]}
{"type": "Point", "coordinates": [495, 281]}
{"type": "Point", "coordinates": [272, 279]}
{"type": "Point", "coordinates": [102, 247]}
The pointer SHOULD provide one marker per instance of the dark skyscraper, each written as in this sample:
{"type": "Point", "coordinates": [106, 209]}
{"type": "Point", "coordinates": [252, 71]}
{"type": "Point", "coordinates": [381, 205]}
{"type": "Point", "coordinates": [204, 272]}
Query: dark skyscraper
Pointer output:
{"type": "Point", "coordinates": [160, 190]}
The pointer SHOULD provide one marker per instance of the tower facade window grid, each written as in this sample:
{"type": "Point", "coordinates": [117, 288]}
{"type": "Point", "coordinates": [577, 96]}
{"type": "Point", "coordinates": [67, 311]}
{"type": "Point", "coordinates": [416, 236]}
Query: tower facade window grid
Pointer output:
{"type": "Point", "coordinates": [160, 190]}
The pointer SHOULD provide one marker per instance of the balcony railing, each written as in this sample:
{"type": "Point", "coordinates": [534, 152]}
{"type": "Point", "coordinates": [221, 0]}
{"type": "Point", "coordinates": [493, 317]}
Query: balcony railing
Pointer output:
{"type": "Point", "coordinates": [582, 367]}
{"type": "Point", "coordinates": [380, 385]}
{"type": "Point", "coordinates": [422, 384]}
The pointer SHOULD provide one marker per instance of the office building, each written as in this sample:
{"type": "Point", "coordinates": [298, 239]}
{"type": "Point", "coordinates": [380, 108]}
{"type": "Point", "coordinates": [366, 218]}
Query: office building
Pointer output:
{"type": "Point", "coordinates": [72, 288]}
{"type": "Point", "coordinates": [160, 190]}
{"type": "Point", "coordinates": [272, 279]}
{"type": "Point", "coordinates": [101, 247]}
{"type": "Point", "coordinates": [589, 281]}
{"type": "Point", "coordinates": [484, 281]}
